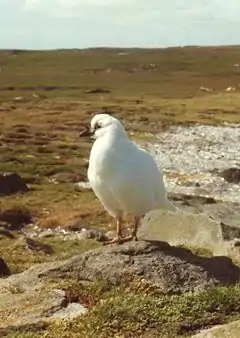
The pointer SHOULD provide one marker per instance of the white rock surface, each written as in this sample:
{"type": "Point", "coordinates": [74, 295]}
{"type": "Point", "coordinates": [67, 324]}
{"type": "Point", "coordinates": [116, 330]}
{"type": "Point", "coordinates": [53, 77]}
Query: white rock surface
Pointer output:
{"type": "Point", "coordinates": [183, 228]}
{"type": "Point", "coordinates": [71, 311]}
{"type": "Point", "coordinates": [231, 330]}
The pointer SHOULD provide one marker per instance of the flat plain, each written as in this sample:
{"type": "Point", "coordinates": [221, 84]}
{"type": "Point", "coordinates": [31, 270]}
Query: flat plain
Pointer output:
{"type": "Point", "coordinates": [47, 98]}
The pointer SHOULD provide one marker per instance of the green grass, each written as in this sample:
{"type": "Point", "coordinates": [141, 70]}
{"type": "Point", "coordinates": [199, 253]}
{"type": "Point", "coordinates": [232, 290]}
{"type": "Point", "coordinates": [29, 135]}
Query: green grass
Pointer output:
{"type": "Point", "coordinates": [128, 74]}
{"type": "Point", "coordinates": [18, 257]}
{"type": "Point", "coordinates": [171, 316]}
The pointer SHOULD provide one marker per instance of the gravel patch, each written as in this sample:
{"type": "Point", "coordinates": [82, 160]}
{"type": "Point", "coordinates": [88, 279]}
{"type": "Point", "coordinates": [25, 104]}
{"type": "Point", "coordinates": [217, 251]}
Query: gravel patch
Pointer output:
{"type": "Point", "coordinates": [192, 156]}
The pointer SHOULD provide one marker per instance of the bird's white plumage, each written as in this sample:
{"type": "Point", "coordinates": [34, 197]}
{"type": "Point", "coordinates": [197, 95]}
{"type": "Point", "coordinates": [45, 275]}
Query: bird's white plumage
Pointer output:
{"type": "Point", "coordinates": [124, 177]}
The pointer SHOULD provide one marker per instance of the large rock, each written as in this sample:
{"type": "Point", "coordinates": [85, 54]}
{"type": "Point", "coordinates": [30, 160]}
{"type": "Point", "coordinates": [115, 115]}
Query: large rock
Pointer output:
{"type": "Point", "coordinates": [173, 269]}
{"type": "Point", "coordinates": [11, 183]}
{"type": "Point", "coordinates": [225, 212]}
{"type": "Point", "coordinates": [28, 299]}
{"type": "Point", "coordinates": [231, 330]}
{"type": "Point", "coordinates": [183, 228]}
{"type": "Point", "coordinates": [31, 296]}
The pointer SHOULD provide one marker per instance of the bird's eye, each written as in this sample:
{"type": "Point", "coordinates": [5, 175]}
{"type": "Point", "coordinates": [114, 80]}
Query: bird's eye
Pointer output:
{"type": "Point", "coordinates": [97, 126]}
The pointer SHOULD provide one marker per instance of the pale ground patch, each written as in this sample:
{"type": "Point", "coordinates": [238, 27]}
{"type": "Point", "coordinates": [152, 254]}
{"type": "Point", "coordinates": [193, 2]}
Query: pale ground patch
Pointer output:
{"type": "Point", "coordinates": [190, 157]}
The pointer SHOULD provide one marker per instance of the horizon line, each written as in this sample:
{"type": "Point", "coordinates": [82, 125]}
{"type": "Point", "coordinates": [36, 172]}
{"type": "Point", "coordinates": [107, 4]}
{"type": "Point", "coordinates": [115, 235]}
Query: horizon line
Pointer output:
{"type": "Point", "coordinates": [116, 47]}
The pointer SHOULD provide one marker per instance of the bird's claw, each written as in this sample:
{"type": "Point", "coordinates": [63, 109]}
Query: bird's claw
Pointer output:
{"type": "Point", "coordinates": [115, 240]}
{"type": "Point", "coordinates": [130, 238]}
{"type": "Point", "coordinates": [121, 240]}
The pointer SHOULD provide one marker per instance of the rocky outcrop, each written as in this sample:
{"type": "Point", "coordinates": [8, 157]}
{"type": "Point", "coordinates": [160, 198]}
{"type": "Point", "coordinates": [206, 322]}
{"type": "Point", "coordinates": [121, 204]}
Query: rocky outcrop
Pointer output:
{"type": "Point", "coordinates": [33, 296]}
{"type": "Point", "coordinates": [226, 212]}
{"type": "Point", "coordinates": [27, 299]}
{"type": "Point", "coordinates": [173, 269]}
{"type": "Point", "coordinates": [190, 226]}
{"type": "Point", "coordinates": [182, 228]}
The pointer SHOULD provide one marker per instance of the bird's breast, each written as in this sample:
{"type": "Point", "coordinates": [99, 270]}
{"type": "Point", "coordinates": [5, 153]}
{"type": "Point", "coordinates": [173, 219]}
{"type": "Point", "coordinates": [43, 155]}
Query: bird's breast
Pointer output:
{"type": "Point", "coordinates": [102, 163]}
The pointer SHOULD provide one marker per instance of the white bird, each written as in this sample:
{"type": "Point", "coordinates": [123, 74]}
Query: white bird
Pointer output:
{"type": "Point", "coordinates": [125, 178]}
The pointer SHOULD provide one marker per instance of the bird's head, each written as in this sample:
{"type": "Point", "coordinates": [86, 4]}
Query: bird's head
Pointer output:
{"type": "Point", "coordinates": [104, 124]}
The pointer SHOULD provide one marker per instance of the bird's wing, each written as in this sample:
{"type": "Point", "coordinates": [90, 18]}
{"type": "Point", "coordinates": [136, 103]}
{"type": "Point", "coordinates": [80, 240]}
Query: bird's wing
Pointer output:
{"type": "Point", "coordinates": [138, 184]}
{"type": "Point", "coordinates": [106, 197]}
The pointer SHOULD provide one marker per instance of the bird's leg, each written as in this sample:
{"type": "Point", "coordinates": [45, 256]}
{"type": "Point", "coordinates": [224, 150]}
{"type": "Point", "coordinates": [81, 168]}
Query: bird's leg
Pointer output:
{"type": "Point", "coordinates": [133, 235]}
{"type": "Point", "coordinates": [119, 227]}
{"type": "Point", "coordinates": [117, 239]}
{"type": "Point", "coordinates": [135, 227]}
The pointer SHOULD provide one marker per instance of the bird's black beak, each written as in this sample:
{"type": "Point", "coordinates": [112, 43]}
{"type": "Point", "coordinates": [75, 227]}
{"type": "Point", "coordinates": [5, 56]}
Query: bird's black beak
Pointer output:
{"type": "Point", "coordinates": [86, 133]}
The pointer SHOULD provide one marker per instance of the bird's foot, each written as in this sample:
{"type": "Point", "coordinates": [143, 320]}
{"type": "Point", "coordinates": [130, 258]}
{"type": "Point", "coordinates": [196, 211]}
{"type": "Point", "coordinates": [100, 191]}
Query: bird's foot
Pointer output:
{"type": "Point", "coordinates": [130, 238]}
{"type": "Point", "coordinates": [116, 240]}
{"type": "Point", "coordinates": [121, 240]}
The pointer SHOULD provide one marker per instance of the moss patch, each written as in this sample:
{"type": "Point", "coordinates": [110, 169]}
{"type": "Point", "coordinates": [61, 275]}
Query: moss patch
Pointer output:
{"type": "Point", "coordinates": [135, 309]}
{"type": "Point", "coordinates": [125, 312]}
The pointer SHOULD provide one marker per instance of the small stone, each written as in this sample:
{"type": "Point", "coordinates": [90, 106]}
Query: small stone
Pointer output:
{"type": "Point", "coordinates": [11, 183]}
{"type": "Point", "coordinates": [83, 185]}
{"type": "Point", "coordinates": [236, 242]}
{"type": "Point", "coordinates": [38, 246]}
{"type": "Point", "coordinates": [6, 233]}
{"type": "Point", "coordinates": [98, 235]}
{"type": "Point", "coordinates": [83, 235]}
{"type": "Point", "coordinates": [75, 225]}
{"type": "Point", "coordinates": [231, 175]}
{"type": "Point", "coordinates": [46, 234]}
{"type": "Point", "coordinates": [110, 234]}
{"type": "Point", "coordinates": [97, 91]}
{"type": "Point", "coordinates": [94, 233]}
{"type": "Point", "coordinates": [34, 245]}
{"type": "Point", "coordinates": [60, 292]}
{"type": "Point", "coordinates": [91, 234]}
{"type": "Point", "coordinates": [4, 269]}
{"type": "Point", "coordinates": [65, 177]}
{"type": "Point", "coordinates": [71, 311]}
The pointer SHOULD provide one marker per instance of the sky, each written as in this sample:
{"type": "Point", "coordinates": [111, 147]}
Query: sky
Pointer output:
{"type": "Point", "coordinates": [51, 24]}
